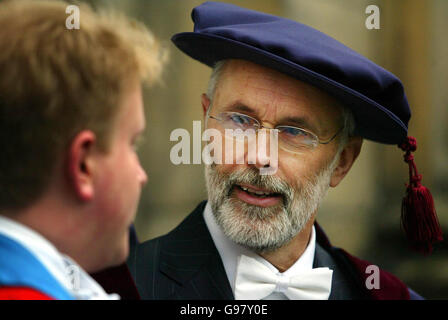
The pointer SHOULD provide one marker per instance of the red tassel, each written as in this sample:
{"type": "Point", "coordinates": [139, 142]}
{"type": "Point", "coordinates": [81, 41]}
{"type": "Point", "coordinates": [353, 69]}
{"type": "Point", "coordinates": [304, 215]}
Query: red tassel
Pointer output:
{"type": "Point", "coordinates": [418, 214]}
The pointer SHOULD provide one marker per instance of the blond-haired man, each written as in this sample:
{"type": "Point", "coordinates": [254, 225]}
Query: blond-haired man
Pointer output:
{"type": "Point", "coordinates": [71, 113]}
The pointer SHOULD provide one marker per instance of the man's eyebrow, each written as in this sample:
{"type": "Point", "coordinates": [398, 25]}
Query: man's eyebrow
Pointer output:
{"type": "Point", "coordinates": [241, 107]}
{"type": "Point", "coordinates": [140, 132]}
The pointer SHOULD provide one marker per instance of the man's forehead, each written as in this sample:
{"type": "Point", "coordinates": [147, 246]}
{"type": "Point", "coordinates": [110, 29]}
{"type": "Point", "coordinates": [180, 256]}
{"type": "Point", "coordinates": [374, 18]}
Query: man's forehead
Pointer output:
{"type": "Point", "coordinates": [246, 74]}
{"type": "Point", "coordinates": [132, 113]}
{"type": "Point", "coordinates": [244, 68]}
{"type": "Point", "coordinates": [260, 86]}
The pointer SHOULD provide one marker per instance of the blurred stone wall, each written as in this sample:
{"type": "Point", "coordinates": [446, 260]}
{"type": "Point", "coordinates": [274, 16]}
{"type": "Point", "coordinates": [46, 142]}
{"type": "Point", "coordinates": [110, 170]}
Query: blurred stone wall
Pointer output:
{"type": "Point", "coordinates": [362, 214]}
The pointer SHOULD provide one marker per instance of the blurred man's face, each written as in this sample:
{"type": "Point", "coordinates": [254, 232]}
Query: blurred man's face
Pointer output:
{"type": "Point", "coordinates": [264, 212]}
{"type": "Point", "coordinates": [121, 179]}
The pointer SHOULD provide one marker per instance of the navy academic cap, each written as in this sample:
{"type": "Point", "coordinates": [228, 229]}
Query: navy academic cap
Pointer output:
{"type": "Point", "coordinates": [376, 96]}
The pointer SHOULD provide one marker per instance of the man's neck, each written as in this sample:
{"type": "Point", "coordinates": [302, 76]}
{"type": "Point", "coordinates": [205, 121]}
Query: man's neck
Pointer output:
{"type": "Point", "coordinates": [56, 224]}
{"type": "Point", "coordinates": [284, 257]}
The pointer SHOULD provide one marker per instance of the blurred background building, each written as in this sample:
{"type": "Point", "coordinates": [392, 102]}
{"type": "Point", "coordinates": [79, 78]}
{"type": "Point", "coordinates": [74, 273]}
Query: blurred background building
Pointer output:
{"type": "Point", "coordinates": [361, 215]}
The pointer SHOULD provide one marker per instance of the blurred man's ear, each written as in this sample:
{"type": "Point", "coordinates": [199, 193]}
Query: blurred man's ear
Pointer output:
{"type": "Point", "coordinates": [205, 103]}
{"type": "Point", "coordinates": [81, 165]}
{"type": "Point", "coordinates": [346, 160]}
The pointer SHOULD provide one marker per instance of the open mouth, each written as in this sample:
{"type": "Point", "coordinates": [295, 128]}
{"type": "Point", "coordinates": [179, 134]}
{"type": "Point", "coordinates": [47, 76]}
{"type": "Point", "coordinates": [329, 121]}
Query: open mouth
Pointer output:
{"type": "Point", "coordinates": [257, 196]}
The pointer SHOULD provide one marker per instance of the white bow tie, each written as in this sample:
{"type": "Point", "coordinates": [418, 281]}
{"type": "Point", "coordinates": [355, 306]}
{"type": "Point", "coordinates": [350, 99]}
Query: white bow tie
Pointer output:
{"type": "Point", "coordinates": [255, 281]}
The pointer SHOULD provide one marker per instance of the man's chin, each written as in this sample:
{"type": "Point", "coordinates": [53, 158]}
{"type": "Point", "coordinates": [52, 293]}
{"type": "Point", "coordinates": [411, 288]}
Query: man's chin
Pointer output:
{"type": "Point", "coordinates": [255, 228]}
{"type": "Point", "coordinates": [250, 213]}
{"type": "Point", "coordinates": [121, 252]}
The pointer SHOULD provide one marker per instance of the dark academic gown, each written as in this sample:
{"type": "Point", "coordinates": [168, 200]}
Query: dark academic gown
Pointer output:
{"type": "Point", "coordinates": [118, 279]}
{"type": "Point", "coordinates": [185, 265]}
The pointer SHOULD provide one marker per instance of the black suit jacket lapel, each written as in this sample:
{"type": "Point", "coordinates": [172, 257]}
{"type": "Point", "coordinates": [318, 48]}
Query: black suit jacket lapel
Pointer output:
{"type": "Point", "coordinates": [345, 284]}
{"type": "Point", "coordinates": [189, 257]}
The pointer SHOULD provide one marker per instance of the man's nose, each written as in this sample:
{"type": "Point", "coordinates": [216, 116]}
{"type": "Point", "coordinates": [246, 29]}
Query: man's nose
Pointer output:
{"type": "Point", "coordinates": [262, 156]}
{"type": "Point", "coordinates": [142, 176]}
{"type": "Point", "coordinates": [266, 155]}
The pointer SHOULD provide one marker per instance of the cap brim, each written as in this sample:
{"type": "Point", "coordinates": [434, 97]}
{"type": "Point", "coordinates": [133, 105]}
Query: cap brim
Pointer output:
{"type": "Point", "coordinates": [373, 121]}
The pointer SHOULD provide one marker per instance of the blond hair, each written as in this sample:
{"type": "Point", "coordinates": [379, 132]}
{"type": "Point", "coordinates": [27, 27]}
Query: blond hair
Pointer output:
{"type": "Point", "coordinates": [55, 82]}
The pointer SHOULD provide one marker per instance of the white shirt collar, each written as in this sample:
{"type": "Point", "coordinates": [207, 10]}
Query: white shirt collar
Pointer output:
{"type": "Point", "coordinates": [67, 272]}
{"type": "Point", "coordinates": [230, 251]}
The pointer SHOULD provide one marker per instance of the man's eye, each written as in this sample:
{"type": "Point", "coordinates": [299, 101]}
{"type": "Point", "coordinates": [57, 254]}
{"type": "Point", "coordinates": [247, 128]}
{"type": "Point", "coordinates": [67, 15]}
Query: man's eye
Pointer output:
{"type": "Point", "coordinates": [293, 132]}
{"type": "Point", "coordinates": [240, 119]}
{"type": "Point", "coordinates": [137, 142]}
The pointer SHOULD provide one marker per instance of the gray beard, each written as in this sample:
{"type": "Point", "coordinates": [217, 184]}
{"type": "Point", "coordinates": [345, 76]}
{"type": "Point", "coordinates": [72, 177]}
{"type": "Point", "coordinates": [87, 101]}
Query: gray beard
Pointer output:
{"type": "Point", "coordinates": [264, 229]}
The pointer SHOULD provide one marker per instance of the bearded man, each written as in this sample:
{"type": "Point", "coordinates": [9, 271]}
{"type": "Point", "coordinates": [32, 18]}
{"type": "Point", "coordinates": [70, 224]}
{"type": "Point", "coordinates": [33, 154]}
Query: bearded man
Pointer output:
{"type": "Point", "coordinates": [256, 237]}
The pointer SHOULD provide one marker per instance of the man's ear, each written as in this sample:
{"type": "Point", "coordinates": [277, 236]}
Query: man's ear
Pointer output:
{"type": "Point", "coordinates": [346, 160]}
{"type": "Point", "coordinates": [81, 165]}
{"type": "Point", "coordinates": [205, 103]}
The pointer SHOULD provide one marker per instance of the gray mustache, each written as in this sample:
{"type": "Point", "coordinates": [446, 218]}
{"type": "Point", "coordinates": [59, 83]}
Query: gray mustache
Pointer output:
{"type": "Point", "coordinates": [251, 176]}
